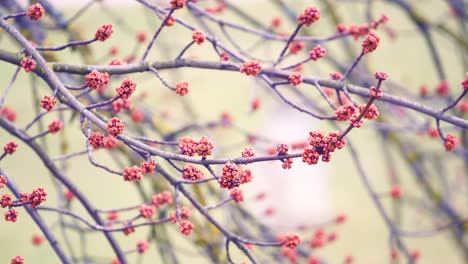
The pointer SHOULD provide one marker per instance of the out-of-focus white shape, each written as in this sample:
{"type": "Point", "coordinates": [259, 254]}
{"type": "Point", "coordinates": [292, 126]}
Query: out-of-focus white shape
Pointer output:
{"type": "Point", "coordinates": [300, 195]}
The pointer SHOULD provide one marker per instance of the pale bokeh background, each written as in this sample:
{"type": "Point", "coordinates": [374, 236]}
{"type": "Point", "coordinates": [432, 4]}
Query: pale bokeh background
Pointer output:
{"type": "Point", "coordinates": [305, 195]}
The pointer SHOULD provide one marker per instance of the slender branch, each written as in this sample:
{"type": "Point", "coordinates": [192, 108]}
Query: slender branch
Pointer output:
{"type": "Point", "coordinates": [156, 34]}
{"type": "Point", "coordinates": [285, 48]}
{"type": "Point", "coordinates": [38, 220]}
{"type": "Point", "coordinates": [7, 89]}
{"type": "Point", "coordinates": [184, 50]}
{"type": "Point", "coordinates": [68, 45]}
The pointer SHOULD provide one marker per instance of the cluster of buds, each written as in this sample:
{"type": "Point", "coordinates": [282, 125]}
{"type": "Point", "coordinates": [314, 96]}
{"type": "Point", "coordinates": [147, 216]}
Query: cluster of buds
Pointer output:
{"type": "Point", "coordinates": [317, 52]}
{"type": "Point", "coordinates": [120, 104]}
{"type": "Point", "coordinates": [97, 80]}
{"type": "Point", "coordinates": [184, 214]}
{"type": "Point", "coordinates": [55, 126]}
{"type": "Point", "coordinates": [287, 163]}
{"type": "Point", "coordinates": [6, 200]}
{"type": "Point", "coordinates": [248, 153]}
{"type": "Point", "coordinates": [192, 173]}
{"type": "Point", "coordinates": [34, 199]}
{"type": "Point", "coordinates": [3, 181]}
{"type": "Point", "coordinates": [450, 142]}
{"type": "Point", "coordinates": [309, 16]}
{"type": "Point", "coordinates": [245, 176]}
{"type": "Point", "coordinates": [237, 195]}
{"type": "Point", "coordinates": [182, 88]}
{"type": "Point", "coordinates": [336, 76]}
{"type": "Point", "coordinates": [48, 102]}
{"type": "Point", "coordinates": [198, 37]}
{"type": "Point", "coordinates": [371, 43]}
{"type": "Point", "coordinates": [371, 113]}
{"type": "Point", "coordinates": [142, 246]}
{"type": "Point", "coordinates": [128, 228]}
{"type": "Point", "coordinates": [464, 82]}
{"type": "Point", "coordinates": [186, 228]}
{"type": "Point", "coordinates": [231, 177]}
{"type": "Point", "coordinates": [126, 88]}
{"type": "Point", "coordinates": [17, 260]}
{"type": "Point", "coordinates": [115, 126]}
{"type": "Point", "coordinates": [344, 112]}
{"type": "Point", "coordinates": [224, 56]}
{"type": "Point", "coordinates": [282, 149]}
{"type": "Point", "coordinates": [161, 199]}
{"type": "Point", "coordinates": [177, 4]}
{"type": "Point", "coordinates": [289, 243]}
{"type": "Point", "coordinates": [170, 20]}
{"type": "Point", "coordinates": [10, 147]}
{"type": "Point", "coordinates": [202, 147]}
{"type": "Point", "coordinates": [104, 32]}
{"type": "Point", "coordinates": [148, 167]}
{"type": "Point", "coordinates": [35, 12]}
{"type": "Point", "coordinates": [295, 78]}
{"type": "Point", "coordinates": [98, 140]}
{"type": "Point", "coordinates": [362, 30]}
{"type": "Point", "coordinates": [132, 174]}
{"type": "Point", "coordinates": [322, 145]}
{"type": "Point", "coordinates": [28, 64]}
{"type": "Point", "coordinates": [350, 112]}
{"type": "Point", "coordinates": [147, 211]}
{"type": "Point", "coordinates": [251, 68]}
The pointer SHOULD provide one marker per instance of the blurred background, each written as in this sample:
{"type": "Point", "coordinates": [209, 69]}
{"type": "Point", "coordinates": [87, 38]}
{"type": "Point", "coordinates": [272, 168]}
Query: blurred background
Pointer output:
{"type": "Point", "coordinates": [303, 197]}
